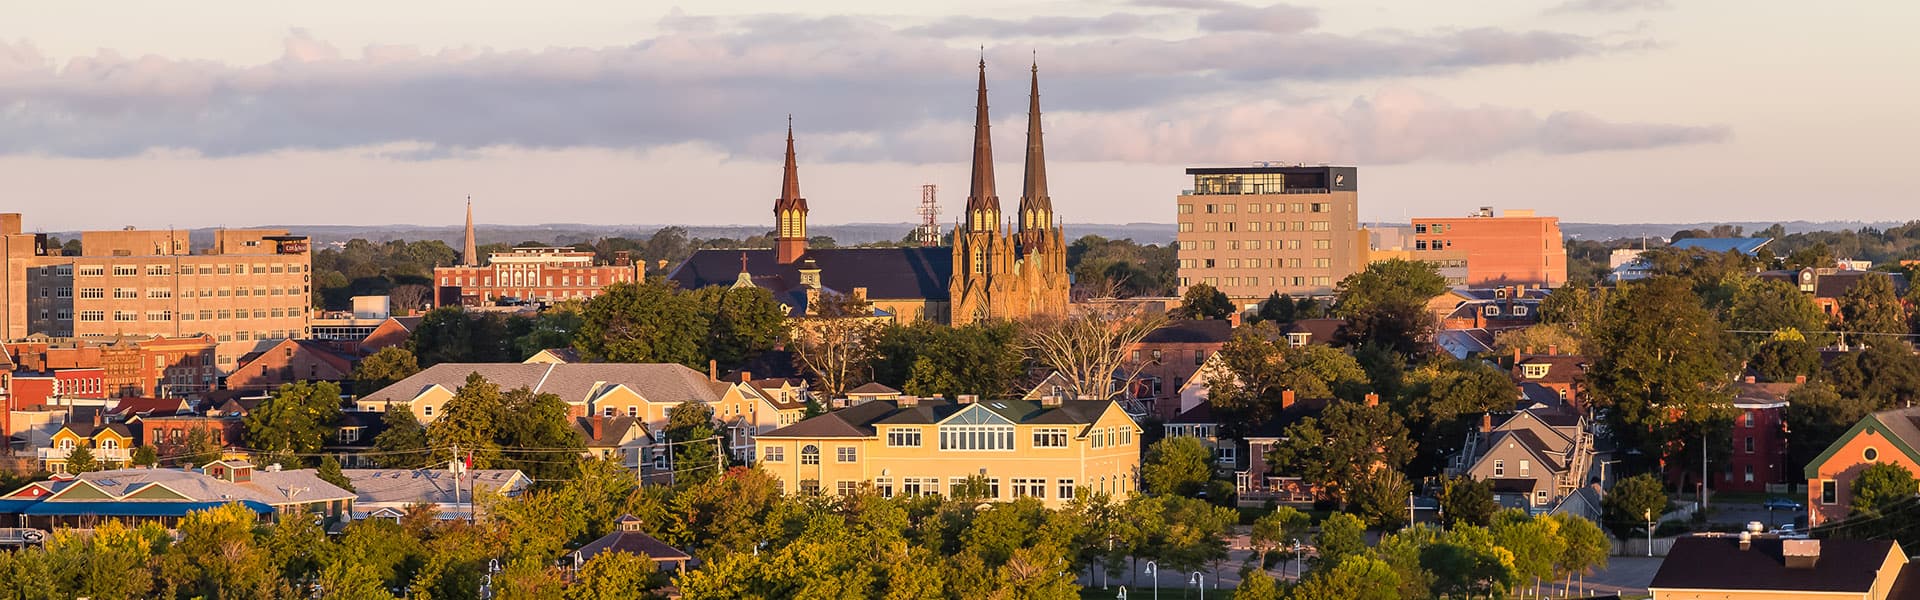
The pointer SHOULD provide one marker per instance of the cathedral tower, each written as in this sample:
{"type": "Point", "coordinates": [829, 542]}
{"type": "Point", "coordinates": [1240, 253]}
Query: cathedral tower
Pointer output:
{"type": "Point", "coordinates": [1041, 247]}
{"type": "Point", "coordinates": [790, 211]}
{"type": "Point", "coordinates": [469, 257]}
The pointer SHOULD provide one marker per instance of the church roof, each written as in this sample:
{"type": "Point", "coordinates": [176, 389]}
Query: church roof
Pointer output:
{"type": "Point", "coordinates": [886, 273]}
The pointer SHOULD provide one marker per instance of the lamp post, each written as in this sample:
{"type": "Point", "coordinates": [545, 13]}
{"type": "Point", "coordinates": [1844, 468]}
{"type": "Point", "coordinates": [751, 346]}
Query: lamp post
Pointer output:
{"type": "Point", "coordinates": [1296, 559]}
{"type": "Point", "coordinates": [1649, 515]}
{"type": "Point", "coordinates": [1154, 573]}
{"type": "Point", "coordinates": [1199, 582]}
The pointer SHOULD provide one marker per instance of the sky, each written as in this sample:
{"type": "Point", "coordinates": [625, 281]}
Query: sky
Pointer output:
{"type": "Point", "coordinates": [363, 112]}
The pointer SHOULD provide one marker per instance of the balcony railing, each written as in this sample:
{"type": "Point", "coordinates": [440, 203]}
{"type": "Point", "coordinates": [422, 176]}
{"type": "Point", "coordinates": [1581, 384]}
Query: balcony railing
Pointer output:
{"type": "Point", "coordinates": [99, 454]}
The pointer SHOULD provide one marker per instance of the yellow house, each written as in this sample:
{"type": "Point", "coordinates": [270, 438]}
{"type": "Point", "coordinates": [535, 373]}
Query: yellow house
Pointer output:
{"type": "Point", "coordinates": [109, 444]}
{"type": "Point", "coordinates": [1052, 450]}
{"type": "Point", "coordinates": [643, 391]}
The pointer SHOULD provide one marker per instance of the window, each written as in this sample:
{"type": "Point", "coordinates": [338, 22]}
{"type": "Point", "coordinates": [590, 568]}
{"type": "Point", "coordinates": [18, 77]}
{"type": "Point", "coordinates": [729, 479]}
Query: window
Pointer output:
{"type": "Point", "coordinates": [1036, 488]}
{"type": "Point", "coordinates": [846, 454]}
{"type": "Point", "coordinates": [912, 486]}
{"type": "Point", "coordinates": [125, 293]}
{"type": "Point", "coordinates": [993, 483]}
{"type": "Point", "coordinates": [349, 434]}
{"type": "Point", "coordinates": [156, 269]}
{"type": "Point", "coordinates": [126, 270]}
{"type": "Point", "coordinates": [903, 438]}
{"type": "Point", "coordinates": [976, 437]}
{"type": "Point", "coordinates": [1224, 455]}
{"type": "Point", "coordinates": [810, 455]}
{"type": "Point", "coordinates": [773, 454]}
{"type": "Point", "coordinates": [92, 271]}
{"type": "Point", "coordinates": [125, 315]}
{"type": "Point", "coordinates": [1519, 310]}
{"type": "Point", "coordinates": [1491, 311]}
{"type": "Point", "coordinates": [1829, 491]}
{"type": "Point", "coordinates": [633, 411]}
{"type": "Point", "coordinates": [1871, 454]}
{"type": "Point", "coordinates": [1749, 445]}
{"type": "Point", "coordinates": [1525, 469]}
{"type": "Point", "coordinates": [1499, 468]}
{"type": "Point", "coordinates": [884, 485]}
{"type": "Point", "coordinates": [1746, 419]}
{"type": "Point", "coordinates": [427, 410]}
{"type": "Point", "coordinates": [1749, 474]}
{"type": "Point", "coordinates": [809, 487]}
{"type": "Point", "coordinates": [845, 488]}
{"type": "Point", "coordinates": [1050, 437]}
{"type": "Point", "coordinates": [1066, 489]}
{"type": "Point", "coordinates": [1536, 371]}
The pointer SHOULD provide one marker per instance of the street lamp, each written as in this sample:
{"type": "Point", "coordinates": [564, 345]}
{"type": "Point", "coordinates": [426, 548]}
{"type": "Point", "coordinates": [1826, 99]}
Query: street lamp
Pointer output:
{"type": "Point", "coordinates": [1296, 559]}
{"type": "Point", "coordinates": [1154, 573]}
{"type": "Point", "coordinates": [1649, 515]}
{"type": "Point", "coordinates": [1200, 582]}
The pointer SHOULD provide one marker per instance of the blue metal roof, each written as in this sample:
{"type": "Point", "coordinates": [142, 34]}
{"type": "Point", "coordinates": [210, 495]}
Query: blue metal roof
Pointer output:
{"type": "Point", "coordinates": [132, 509]}
{"type": "Point", "coordinates": [10, 507]}
{"type": "Point", "coordinates": [1746, 246]}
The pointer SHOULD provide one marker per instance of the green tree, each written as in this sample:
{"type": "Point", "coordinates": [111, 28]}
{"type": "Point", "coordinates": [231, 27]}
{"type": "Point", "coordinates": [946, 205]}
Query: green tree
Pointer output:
{"type": "Point", "coordinates": [199, 448]}
{"type": "Point", "coordinates": [218, 557]}
{"type": "Point", "coordinates": [1341, 535]}
{"type": "Point", "coordinates": [1257, 585]}
{"type": "Point", "coordinates": [1816, 256]}
{"type": "Point", "coordinates": [1346, 440]}
{"type": "Point", "coordinates": [1538, 338]}
{"type": "Point", "coordinates": [1357, 577]}
{"type": "Point", "coordinates": [1585, 546]}
{"type": "Point", "coordinates": [696, 455]}
{"type": "Point", "coordinates": [329, 472]}
{"type": "Point", "coordinates": [1871, 306]}
{"type": "Point", "coordinates": [468, 421]}
{"type": "Point", "coordinates": [743, 322]}
{"type": "Point", "coordinates": [1576, 307]}
{"type": "Point", "coordinates": [1381, 498]}
{"type": "Point", "coordinates": [542, 420]}
{"type": "Point", "coordinates": [403, 444]}
{"type": "Point", "coordinates": [1465, 561]}
{"type": "Point", "coordinates": [143, 456]}
{"type": "Point", "coordinates": [297, 418]}
{"type": "Point", "coordinates": [110, 563]}
{"type": "Point", "coordinates": [1401, 551]}
{"type": "Point", "coordinates": [80, 460]}
{"type": "Point", "coordinates": [1786, 358]}
{"type": "Point", "coordinates": [450, 334]}
{"type": "Point", "coordinates": [1774, 305]}
{"type": "Point", "coordinates": [1444, 398]}
{"type": "Point", "coordinates": [1820, 415]}
{"type": "Point", "coordinates": [1281, 526]}
{"type": "Point", "coordinates": [27, 574]}
{"type": "Point", "coordinates": [1535, 543]}
{"type": "Point", "coordinates": [1179, 466]}
{"type": "Point", "coordinates": [1386, 305]}
{"type": "Point", "coordinates": [615, 576]}
{"type": "Point", "coordinates": [1202, 301]}
{"type": "Point", "coordinates": [383, 368]}
{"type": "Point", "coordinates": [982, 359]}
{"type": "Point", "coordinates": [644, 322]}
{"type": "Point", "coordinates": [1881, 485]}
{"type": "Point", "coordinates": [1466, 501]}
{"type": "Point", "coordinates": [1631, 502]}
{"type": "Point", "coordinates": [1885, 373]}
{"type": "Point", "coordinates": [552, 328]}
{"type": "Point", "coordinates": [1663, 366]}
{"type": "Point", "coordinates": [1264, 369]}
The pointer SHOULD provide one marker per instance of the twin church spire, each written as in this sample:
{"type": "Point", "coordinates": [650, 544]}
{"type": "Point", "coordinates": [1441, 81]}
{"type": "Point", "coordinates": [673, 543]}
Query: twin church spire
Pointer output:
{"type": "Point", "coordinates": [983, 201]}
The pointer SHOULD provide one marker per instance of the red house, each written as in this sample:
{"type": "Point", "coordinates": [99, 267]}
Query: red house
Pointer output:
{"type": "Point", "coordinates": [1759, 438]}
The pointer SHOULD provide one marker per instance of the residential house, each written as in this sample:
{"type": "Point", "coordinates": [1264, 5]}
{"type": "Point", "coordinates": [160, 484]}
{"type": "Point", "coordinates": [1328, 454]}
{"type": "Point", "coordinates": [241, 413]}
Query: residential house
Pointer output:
{"type": "Point", "coordinates": [1321, 332]}
{"type": "Point", "coordinates": [1752, 566]}
{"type": "Point", "coordinates": [621, 438]}
{"type": "Point", "coordinates": [353, 437]}
{"type": "Point", "coordinates": [753, 407]}
{"type": "Point", "coordinates": [914, 446]}
{"type": "Point", "coordinates": [168, 434]}
{"type": "Point", "coordinates": [1254, 479]}
{"type": "Point", "coordinates": [554, 356]}
{"type": "Point", "coordinates": [1758, 462]}
{"type": "Point", "coordinates": [388, 493]}
{"type": "Point", "coordinates": [1534, 457]}
{"type": "Point", "coordinates": [628, 536]}
{"type": "Point", "coordinates": [107, 442]}
{"type": "Point", "coordinates": [165, 495]}
{"type": "Point", "coordinates": [1551, 379]}
{"type": "Point", "coordinates": [643, 391]}
{"type": "Point", "coordinates": [1491, 309]}
{"type": "Point", "coordinates": [290, 361]}
{"type": "Point", "coordinates": [1166, 358]}
{"type": "Point", "coordinates": [1885, 437]}
{"type": "Point", "coordinates": [391, 333]}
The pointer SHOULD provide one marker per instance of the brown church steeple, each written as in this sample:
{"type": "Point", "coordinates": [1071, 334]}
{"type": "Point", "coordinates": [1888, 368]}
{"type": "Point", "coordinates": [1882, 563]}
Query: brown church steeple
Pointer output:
{"type": "Point", "coordinates": [790, 211]}
{"type": "Point", "coordinates": [983, 204]}
{"type": "Point", "coordinates": [469, 257]}
{"type": "Point", "coordinates": [1036, 208]}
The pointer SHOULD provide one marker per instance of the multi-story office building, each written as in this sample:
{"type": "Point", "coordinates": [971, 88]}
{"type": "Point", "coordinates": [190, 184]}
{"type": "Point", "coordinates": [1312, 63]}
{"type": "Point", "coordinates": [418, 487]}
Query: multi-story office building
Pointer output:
{"type": "Point", "coordinates": [251, 286]}
{"type": "Point", "coordinates": [532, 274]}
{"type": "Point", "coordinates": [1252, 231]}
{"type": "Point", "coordinates": [916, 446]}
{"type": "Point", "coordinates": [1515, 248]}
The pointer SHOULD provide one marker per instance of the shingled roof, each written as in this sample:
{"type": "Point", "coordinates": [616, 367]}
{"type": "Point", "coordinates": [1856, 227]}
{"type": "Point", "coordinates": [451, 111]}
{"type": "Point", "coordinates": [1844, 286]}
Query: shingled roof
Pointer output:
{"type": "Point", "coordinates": [886, 273]}
{"type": "Point", "coordinates": [859, 420]}
{"type": "Point", "coordinates": [572, 382]}
{"type": "Point", "coordinates": [1718, 563]}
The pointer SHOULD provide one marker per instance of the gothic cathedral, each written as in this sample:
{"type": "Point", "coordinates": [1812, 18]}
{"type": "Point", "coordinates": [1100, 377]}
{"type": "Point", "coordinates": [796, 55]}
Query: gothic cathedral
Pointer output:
{"type": "Point", "coordinates": [1003, 271]}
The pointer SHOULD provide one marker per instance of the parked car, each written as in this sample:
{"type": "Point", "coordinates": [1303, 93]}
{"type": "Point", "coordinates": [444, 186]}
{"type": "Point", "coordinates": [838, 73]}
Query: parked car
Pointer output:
{"type": "Point", "coordinates": [1782, 504]}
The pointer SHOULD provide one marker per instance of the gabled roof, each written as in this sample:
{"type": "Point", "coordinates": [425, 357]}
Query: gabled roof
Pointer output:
{"type": "Point", "coordinates": [432, 486]}
{"type": "Point", "coordinates": [874, 388]}
{"type": "Point", "coordinates": [632, 542]}
{"type": "Point", "coordinates": [1901, 426]}
{"type": "Point", "coordinates": [266, 487]}
{"type": "Point", "coordinates": [1531, 442]}
{"type": "Point", "coordinates": [317, 349]}
{"type": "Point", "coordinates": [1320, 331]}
{"type": "Point", "coordinates": [860, 420]}
{"type": "Point", "coordinates": [574, 383]}
{"type": "Point", "coordinates": [87, 429]}
{"type": "Point", "coordinates": [886, 273]}
{"type": "Point", "coordinates": [127, 407]}
{"type": "Point", "coordinates": [612, 429]}
{"type": "Point", "coordinates": [1747, 245]}
{"type": "Point", "coordinates": [1718, 563]}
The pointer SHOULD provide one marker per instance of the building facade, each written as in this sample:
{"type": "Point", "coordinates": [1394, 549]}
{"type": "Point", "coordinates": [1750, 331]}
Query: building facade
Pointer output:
{"type": "Point", "coordinates": [531, 274]}
{"type": "Point", "coordinates": [1885, 437]}
{"type": "Point", "coordinates": [1516, 247]}
{"type": "Point", "coordinates": [1052, 450]}
{"type": "Point", "coordinates": [250, 286]}
{"type": "Point", "coordinates": [1252, 231]}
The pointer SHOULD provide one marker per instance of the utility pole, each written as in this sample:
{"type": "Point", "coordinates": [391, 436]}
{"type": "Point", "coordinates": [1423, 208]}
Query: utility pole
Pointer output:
{"type": "Point", "coordinates": [1410, 515]}
{"type": "Point", "coordinates": [1703, 470]}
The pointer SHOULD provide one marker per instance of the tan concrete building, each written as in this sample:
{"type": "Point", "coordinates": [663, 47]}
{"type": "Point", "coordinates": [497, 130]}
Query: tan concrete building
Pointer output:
{"type": "Point", "coordinates": [249, 289]}
{"type": "Point", "coordinates": [1252, 231]}
{"type": "Point", "coordinates": [1051, 450]}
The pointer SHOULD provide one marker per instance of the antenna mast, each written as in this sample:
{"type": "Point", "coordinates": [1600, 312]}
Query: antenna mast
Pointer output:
{"type": "Point", "coordinates": [929, 232]}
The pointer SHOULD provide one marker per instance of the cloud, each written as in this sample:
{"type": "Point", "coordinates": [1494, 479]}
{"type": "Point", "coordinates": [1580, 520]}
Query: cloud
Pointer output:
{"type": "Point", "coordinates": [1606, 6]}
{"type": "Point", "coordinates": [1187, 4]}
{"type": "Point", "coordinates": [1116, 23]}
{"type": "Point", "coordinates": [1278, 18]}
{"type": "Point", "coordinates": [853, 83]}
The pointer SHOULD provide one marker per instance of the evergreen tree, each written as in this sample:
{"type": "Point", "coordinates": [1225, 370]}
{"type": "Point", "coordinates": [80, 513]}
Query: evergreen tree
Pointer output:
{"type": "Point", "coordinates": [80, 460]}
{"type": "Point", "coordinates": [1872, 307]}
{"type": "Point", "coordinates": [1203, 301]}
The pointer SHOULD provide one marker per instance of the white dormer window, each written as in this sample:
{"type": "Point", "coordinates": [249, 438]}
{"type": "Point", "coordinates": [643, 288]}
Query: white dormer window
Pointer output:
{"type": "Point", "coordinates": [1519, 310]}
{"type": "Point", "coordinates": [1491, 310]}
{"type": "Point", "coordinates": [1536, 371]}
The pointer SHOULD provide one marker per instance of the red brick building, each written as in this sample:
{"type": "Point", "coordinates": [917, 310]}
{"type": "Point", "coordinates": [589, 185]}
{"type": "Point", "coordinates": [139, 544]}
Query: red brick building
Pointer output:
{"type": "Point", "coordinates": [1516, 247]}
{"type": "Point", "coordinates": [162, 366]}
{"type": "Point", "coordinates": [1169, 356]}
{"type": "Point", "coordinates": [390, 333]}
{"type": "Point", "coordinates": [290, 361]}
{"type": "Point", "coordinates": [168, 434]}
{"type": "Point", "coordinates": [1759, 437]}
{"type": "Point", "coordinates": [532, 274]}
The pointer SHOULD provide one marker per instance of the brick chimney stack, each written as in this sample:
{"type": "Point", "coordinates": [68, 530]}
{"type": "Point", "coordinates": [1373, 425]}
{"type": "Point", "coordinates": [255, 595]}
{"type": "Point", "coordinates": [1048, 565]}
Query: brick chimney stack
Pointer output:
{"type": "Point", "coordinates": [1286, 399]}
{"type": "Point", "coordinates": [1373, 399]}
{"type": "Point", "coordinates": [1486, 422]}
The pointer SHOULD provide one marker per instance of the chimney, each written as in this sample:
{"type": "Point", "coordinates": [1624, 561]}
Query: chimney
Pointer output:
{"type": "Point", "coordinates": [1750, 379]}
{"type": "Point", "coordinates": [1286, 399]}
{"type": "Point", "coordinates": [907, 401]}
{"type": "Point", "coordinates": [1486, 422]}
{"type": "Point", "coordinates": [1373, 399]}
{"type": "Point", "coordinates": [1529, 350]}
{"type": "Point", "coordinates": [1516, 357]}
{"type": "Point", "coordinates": [713, 370]}
{"type": "Point", "coordinates": [1746, 541]}
{"type": "Point", "coordinates": [1050, 400]}
{"type": "Point", "coordinates": [1800, 379]}
{"type": "Point", "coordinates": [598, 425]}
{"type": "Point", "coordinates": [746, 377]}
{"type": "Point", "coordinates": [966, 398]}
{"type": "Point", "coordinates": [1800, 554]}
{"type": "Point", "coordinates": [1553, 349]}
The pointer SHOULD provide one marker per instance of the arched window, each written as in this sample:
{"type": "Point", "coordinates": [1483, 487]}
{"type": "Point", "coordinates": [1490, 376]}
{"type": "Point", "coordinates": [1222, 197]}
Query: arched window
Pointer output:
{"type": "Point", "coordinates": [810, 455]}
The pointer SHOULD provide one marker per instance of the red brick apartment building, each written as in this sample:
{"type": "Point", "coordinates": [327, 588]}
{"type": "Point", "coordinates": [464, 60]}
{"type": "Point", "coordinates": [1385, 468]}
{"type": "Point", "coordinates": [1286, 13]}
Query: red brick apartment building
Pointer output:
{"type": "Point", "coordinates": [1516, 247]}
{"type": "Point", "coordinates": [533, 274]}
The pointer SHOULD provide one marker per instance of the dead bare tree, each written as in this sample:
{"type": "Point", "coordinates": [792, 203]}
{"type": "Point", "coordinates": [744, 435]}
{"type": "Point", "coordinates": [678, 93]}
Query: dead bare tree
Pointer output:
{"type": "Point", "coordinates": [409, 298]}
{"type": "Point", "coordinates": [1088, 346]}
{"type": "Point", "coordinates": [835, 343]}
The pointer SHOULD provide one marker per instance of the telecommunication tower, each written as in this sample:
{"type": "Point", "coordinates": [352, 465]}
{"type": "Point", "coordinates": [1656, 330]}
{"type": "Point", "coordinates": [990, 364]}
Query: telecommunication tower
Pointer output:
{"type": "Point", "coordinates": [929, 232]}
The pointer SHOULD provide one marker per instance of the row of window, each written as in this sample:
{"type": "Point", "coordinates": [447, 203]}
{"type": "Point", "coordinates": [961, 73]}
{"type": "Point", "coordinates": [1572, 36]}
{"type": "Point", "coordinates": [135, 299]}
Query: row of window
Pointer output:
{"type": "Point", "coordinates": [810, 454]}
{"type": "Point", "coordinates": [94, 316]}
{"type": "Point", "coordinates": [1257, 226]}
{"type": "Point", "coordinates": [120, 293]}
{"type": "Point", "coordinates": [1317, 280]}
{"type": "Point", "coordinates": [519, 278]}
{"type": "Point", "coordinates": [1255, 263]}
{"type": "Point", "coordinates": [1261, 207]}
{"type": "Point", "coordinates": [1020, 487]}
{"type": "Point", "coordinates": [162, 270]}
{"type": "Point", "coordinates": [1321, 244]}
